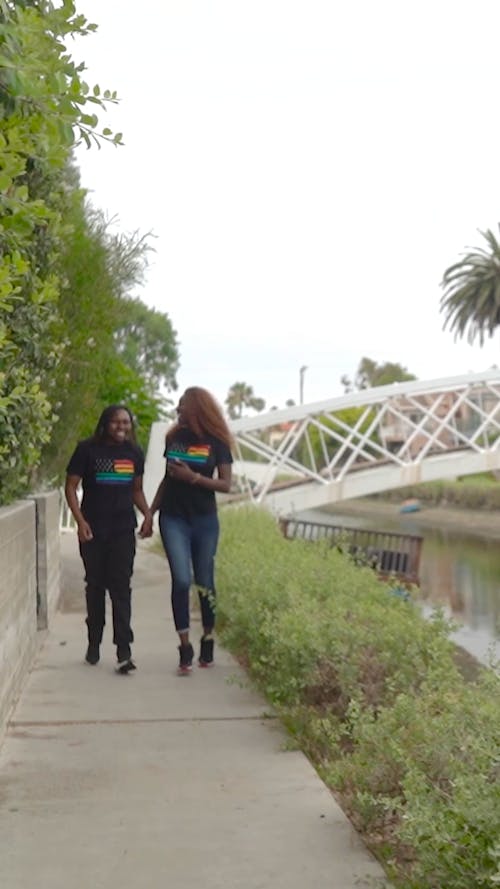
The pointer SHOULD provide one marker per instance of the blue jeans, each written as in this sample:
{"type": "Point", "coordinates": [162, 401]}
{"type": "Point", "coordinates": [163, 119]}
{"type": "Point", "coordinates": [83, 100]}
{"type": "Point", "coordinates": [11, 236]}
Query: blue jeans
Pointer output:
{"type": "Point", "coordinates": [190, 546]}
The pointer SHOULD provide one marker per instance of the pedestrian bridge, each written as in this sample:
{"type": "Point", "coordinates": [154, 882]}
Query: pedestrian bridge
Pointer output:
{"type": "Point", "coordinates": [360, 443]}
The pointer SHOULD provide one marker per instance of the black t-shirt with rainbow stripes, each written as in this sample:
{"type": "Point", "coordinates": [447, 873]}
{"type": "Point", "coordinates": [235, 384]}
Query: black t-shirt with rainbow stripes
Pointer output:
{"type": "Point", "coordinates": [107, 472]}
{"type": "Point", "coordinates": [201, 455]}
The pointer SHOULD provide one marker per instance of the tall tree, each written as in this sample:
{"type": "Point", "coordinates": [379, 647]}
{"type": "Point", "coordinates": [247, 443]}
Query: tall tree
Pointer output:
{"type": "Point", "coordinates": [43, 112]}
{"type": "Point", "coordinates": [241, 396]}
{"type": "Point", "coordinates": [146, 341]}
{"type": "Point", "coordinates": [370, 374]}
{"type": "Point", "coordinates": [122, 385]}
{"type": "Point", "coordinates": [98, 269]}
{"type": "Point", "coordinates": [471, 298]}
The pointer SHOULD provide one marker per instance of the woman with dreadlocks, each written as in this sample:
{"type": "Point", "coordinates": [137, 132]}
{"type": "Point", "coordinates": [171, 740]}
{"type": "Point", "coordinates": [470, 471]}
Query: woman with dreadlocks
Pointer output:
{"type": "Point", "coordinates": [110, 467]}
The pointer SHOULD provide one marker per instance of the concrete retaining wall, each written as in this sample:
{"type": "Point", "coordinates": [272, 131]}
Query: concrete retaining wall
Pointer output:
{"type": "Point", "coordinates": [29, 588]}
{"type": "Point", "coordinates": [48, 556]}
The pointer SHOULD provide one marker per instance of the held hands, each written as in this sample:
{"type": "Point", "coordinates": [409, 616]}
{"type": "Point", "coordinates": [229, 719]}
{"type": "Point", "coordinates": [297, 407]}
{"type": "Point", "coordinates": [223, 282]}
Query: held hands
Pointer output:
{"type": "Point", "coordinates": [146, 529]}
{"type": "Point", "coordinates": [181, 472]}
{"type": "Point", "coordinates": [85, 531]}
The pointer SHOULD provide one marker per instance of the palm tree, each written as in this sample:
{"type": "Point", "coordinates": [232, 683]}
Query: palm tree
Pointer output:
{"type": "Point", "coordinates": [241, 395]}
{"type": "Point", "coordinates": [471, 299]}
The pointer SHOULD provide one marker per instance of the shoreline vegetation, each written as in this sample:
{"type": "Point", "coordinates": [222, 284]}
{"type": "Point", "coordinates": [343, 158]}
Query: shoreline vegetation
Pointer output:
{"type": "Point", "coordinates": [470, 504]}
{"type": "Point", "coordinates": [477, 522]}
{"type": "Point", "coordinates": [407, 740]}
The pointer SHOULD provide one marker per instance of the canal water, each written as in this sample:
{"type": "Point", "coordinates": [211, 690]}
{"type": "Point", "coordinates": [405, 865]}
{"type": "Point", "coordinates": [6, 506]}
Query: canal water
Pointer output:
{"type": "Point", "coordinates": [459, 573]}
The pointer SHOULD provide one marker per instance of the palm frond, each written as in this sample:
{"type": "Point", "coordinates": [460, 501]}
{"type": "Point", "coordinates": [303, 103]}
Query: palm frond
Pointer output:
{"type": "Point", "coordinates": [471, 291]}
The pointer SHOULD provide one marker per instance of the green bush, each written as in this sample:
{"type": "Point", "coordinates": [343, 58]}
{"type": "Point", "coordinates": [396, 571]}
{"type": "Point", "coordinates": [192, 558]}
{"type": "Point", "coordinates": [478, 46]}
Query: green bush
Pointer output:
{"type": "Point", "coordinates": [71, 339]}
{"type": "Point", "coordinates": [371, 691]}
{"type": "Point", "coordinates": [43, 104]}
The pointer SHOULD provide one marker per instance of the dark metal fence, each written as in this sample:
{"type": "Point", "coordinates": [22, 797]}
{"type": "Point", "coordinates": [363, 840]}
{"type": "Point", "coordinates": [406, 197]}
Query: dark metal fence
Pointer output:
{"type": "Point", "coordinates": [390, 554]}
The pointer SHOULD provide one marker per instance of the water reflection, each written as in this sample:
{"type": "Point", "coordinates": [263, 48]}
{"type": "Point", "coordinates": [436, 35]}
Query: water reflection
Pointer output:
{"type": "Point", "coordinates": [459, 573]}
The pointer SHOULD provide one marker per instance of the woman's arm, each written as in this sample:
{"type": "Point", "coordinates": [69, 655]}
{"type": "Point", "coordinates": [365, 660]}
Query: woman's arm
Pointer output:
{"type": "Point", "coordinates": [182, 473]}
{"type": "Point", "coordinates": [70, 489]}
{"type": "Point", "coordinates": [140, 501]}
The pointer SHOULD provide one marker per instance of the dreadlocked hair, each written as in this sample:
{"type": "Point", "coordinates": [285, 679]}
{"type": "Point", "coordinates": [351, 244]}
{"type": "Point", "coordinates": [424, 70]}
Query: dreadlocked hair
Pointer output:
{"type": "Point", "coordinates": [107, 415]}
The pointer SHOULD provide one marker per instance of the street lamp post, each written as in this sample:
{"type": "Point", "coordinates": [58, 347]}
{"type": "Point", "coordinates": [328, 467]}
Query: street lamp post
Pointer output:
{"type": "Point", "coordinates": [301, 386]}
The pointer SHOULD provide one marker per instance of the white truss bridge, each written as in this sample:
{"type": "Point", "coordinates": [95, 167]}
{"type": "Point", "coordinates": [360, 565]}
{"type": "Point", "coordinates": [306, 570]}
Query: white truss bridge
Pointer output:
{"type": "Point", "coordinates": [361, 443]}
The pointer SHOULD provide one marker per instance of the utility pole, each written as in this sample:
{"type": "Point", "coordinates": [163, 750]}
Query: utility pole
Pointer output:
{"type": "Point", "coordinates": [301, 385]}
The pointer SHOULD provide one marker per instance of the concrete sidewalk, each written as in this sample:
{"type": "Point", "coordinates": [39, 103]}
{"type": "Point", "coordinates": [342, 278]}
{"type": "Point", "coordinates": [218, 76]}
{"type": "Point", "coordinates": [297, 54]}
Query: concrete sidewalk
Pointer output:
{"type": "Point", "coordinates": [149, 780]}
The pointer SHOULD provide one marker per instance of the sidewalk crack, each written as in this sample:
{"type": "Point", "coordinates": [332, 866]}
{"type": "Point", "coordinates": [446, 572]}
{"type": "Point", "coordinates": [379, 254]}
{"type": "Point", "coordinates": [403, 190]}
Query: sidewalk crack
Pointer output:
{"type": "Point", "coordinates": [53, 723]}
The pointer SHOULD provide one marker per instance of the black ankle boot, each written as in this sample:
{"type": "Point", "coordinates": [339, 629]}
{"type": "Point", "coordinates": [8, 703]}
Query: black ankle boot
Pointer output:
{"type": "Point", "coordinates": [206, 658]}
{"type": "Point", "coordinates": [186, 654]}
{"type": "Point", "coordinates": [124, 660]}
{"type": "Point", "coordinates": [92, 656]}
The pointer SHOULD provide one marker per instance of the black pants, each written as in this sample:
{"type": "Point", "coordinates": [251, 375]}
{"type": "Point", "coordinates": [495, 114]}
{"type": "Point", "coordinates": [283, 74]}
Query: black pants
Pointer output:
{"type": "Point", "coordinates": [109, 564]}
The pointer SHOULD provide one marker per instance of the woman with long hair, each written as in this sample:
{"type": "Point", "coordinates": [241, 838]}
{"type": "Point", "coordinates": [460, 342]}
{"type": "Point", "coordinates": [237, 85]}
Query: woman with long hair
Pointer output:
{"type": "Point", "coordinates": [198, 455]}
{"type": "Point", "coordinates": [110, 467]}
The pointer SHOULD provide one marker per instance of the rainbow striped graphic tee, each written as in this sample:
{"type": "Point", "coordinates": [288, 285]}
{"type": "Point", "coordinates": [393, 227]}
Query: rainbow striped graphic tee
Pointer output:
{"type": "Point", "coordinates": [109, 471]}
{"type": "Point", "coordinates": [193, 455]}
{"type": "Point", "coordinates": [108, 474]}
{"type": "Point", "coordinates": [202, 455]}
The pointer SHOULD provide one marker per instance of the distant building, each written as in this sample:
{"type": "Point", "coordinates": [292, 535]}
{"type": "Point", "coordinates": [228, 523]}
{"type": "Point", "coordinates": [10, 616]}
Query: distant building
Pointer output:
{"type": "Point", "coordinates": [418, 419]}
{"type": "Point", "coordinates": [278, 433]}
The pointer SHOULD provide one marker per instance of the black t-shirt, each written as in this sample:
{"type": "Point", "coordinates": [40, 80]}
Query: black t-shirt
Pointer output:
{"type": "Point", "coordinates": [107, 472]}
{"type": "Point", "coordinates": [201, 454]}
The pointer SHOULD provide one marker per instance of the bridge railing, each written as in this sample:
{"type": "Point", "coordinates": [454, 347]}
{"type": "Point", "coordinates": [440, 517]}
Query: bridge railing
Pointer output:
{"type": "Point", "coordinates": [397, 428]}
{"type": "Point", "coordinates": [390, 554]}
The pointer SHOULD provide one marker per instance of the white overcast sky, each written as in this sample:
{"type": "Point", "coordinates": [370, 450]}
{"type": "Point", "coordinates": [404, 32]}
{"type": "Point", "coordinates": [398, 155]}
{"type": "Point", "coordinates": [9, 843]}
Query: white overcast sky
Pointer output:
{"type": "Point", "coordinates": [309, 169]}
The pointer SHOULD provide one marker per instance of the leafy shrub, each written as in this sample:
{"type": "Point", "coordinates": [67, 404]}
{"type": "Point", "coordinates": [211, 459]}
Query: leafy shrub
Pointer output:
{"type": "Point", "coordinates": [371, 691]}
{"type": "Point", "coordinates": [42, 102]}
{"type": "Point", "coordinates": [70, 340]}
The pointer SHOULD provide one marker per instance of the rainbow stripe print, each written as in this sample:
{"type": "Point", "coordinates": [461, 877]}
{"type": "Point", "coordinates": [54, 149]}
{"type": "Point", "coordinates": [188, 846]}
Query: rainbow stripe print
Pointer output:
{"type": "Point", "coordinates": [196, 454]}
{"type": "Point", "coordinates": [114, 472]}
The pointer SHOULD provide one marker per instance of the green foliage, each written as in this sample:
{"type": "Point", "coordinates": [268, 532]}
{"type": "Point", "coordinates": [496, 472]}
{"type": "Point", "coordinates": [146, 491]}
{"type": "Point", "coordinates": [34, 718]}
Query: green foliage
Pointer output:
{"type": "Point", "coordinates": [98, 268]}
{"type": "Point", "coordinates": [370, 374]}
{"type": "Point", "coordinates": [147, 343]}
{"type": "Point", "coordinates": [48, 109]}
{"type": "Point", "coordinates": [42, 114]}
{"type": "Point", "coordinates": [466, 493]}
{"type": "Point", "coordinates": [340, 613]}
{"type": "Point", "coordinates": [321, 447]}
{"type": "Point", "coordinates": [471, 297]}
{"type": "Point", "coordinates": [122, 385]}
{"type": "Point", "coordinates": [371, 691]}
{"type": "Point", "coordinates": [26, 324]}
{"type": "Point", "coordinates": [432, 762]}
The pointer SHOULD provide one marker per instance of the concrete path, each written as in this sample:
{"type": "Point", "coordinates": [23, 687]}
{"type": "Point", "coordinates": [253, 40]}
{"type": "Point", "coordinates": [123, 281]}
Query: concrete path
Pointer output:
{"type": "Point", "coordinates": [150, 781]}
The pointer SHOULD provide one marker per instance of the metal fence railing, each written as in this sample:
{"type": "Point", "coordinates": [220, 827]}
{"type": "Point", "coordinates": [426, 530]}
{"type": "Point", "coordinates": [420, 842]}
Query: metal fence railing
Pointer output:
{"type": "Point", "coordinates": [391, 555]}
